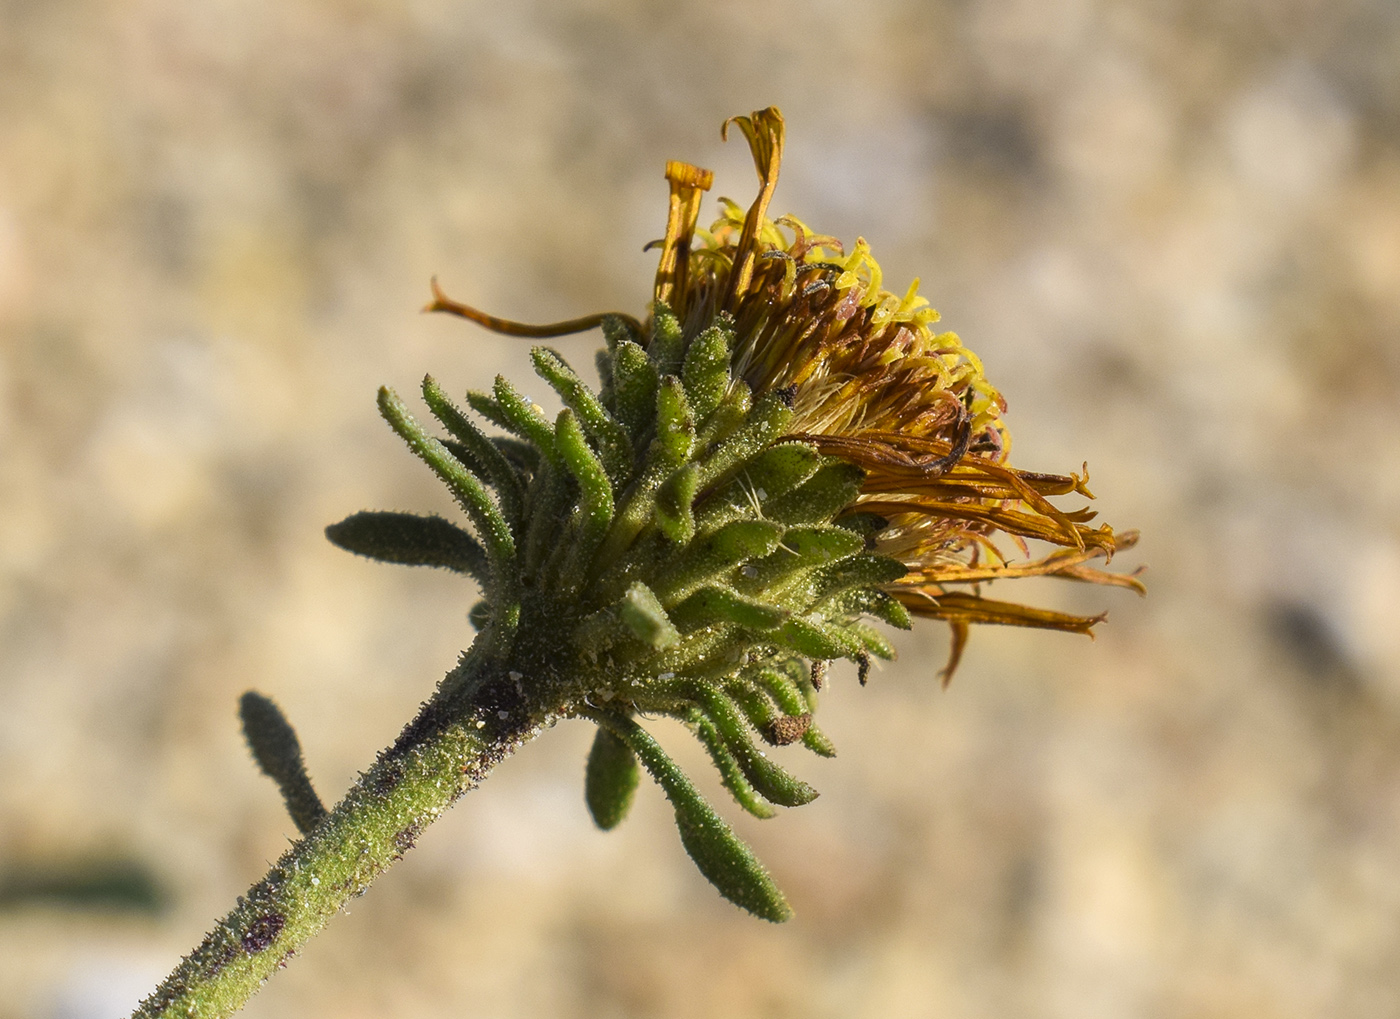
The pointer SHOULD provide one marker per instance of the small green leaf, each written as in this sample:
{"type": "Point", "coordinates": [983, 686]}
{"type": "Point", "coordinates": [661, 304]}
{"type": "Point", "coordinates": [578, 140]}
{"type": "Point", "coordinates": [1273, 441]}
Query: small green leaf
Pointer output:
{"type": "Point", "coordinates": [803, 548]}
{"type": "Point", "coordinates": [603, 365]}
{"type": "Point", "coordinates": [521, 455]}
{"type": "Point", "coordinates": [773, 473]}
{"type": "Point", "coordinates": [644, 615]}
{"type": "Point", "coordinates": [488, 407]}
{"type": "Point", "coordinates": [768, 778]}
{"type": "Point", "coordinates": [617, 331]}
{"type": "Point", "coordinates": [727, 418]}
{"type": "Point", "coordinates": [675, 424]}
{"type": "Point", "coordinates": [550, 492]}
{"type": "Point", "coordinates": [872, 601]}
{"type": "Point", "coordinates": [766, 424]}
{"type": "Point", "coordinates": [751, 700]}
{"type": "Point", "coordinates": [494, 464]}
{"type": "Point", "coordinates": [812, 639]}
{"type": "Point", "coordinates": [730, 865]}
{"type": "Point", "coordinates": [466, 486]}
{"type": "Point", "coordinates": [819, 498]}
{"type": "Point", "coordinates": [521, 416]}
{"type": "Point", "coordinates": [730, 773]}
{"type": "Point", "coordinates": [800, 673]}
{"type": "Point", "coordinates": [634, 387]}
{"type": "Point", "coordinates": [781, 468]}
{"type": "Point", "coordinates": [719, 854]}
{"type": "Point", "coordinates": [717, 553]}
{"type": "Point", "coordinates": [613, 444]}
{"type": "Point", "coordinates": [595, 490]}
{"type": "Point", "coordinates": [873, 640]}
{"type": "Point", "coordinates": [667, 345]}
{"type": "Point", "coordinates": [610, 782]}
{"type": "Point", "coordinates": [706, 370]}
{"type": "Point", "coordinates": [785, 693]}
{"type": "Point", "coordinates": [867, 525]}
{"type": "Point", "coordinates": [277, 750]}
{"type": "Point", "coordinates": [713, 604]}
{"type": "Point", "coordinates": [669, 450]}
{"type": "Point", "coordinates": [410, 540]}
{"type": "Point", "coordinates": [673, 504]}
{"type": "Point", "coordinates": [857, 571]}
{"type": "Point", "coordinates": [816, 741]}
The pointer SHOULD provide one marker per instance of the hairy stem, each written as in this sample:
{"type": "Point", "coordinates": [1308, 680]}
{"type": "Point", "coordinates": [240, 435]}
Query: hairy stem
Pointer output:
{"type": "Point", "coordinates": [441, 755]}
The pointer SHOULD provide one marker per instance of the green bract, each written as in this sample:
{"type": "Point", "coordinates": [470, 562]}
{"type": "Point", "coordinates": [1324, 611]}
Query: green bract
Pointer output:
{"type": "Point", "coordinates": [659, 549]}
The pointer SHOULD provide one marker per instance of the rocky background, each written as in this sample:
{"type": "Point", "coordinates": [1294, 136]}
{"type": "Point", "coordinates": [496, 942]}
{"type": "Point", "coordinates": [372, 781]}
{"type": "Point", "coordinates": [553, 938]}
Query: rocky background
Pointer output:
{"type": "Point", "coordinates": [1171, 230]}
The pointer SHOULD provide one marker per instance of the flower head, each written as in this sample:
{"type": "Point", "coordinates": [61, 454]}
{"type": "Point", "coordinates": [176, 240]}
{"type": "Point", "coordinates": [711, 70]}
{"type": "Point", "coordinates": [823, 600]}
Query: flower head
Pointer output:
{"type": "Point", "coordinates": [877, 386]}
{"type": "Point", "coordinates": [780, 452]}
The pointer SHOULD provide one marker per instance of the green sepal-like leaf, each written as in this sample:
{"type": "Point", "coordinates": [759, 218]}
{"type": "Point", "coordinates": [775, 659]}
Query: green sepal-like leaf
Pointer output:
{"type": "Point", "coordinates": [770, 475]}
{"type": "Point", "coordinates": [785, 693]}
{"type": "Point", "coordinates": [710, 556]}
{"type": "Point", "coordinates": [817, 545]}
{"type": "Point", "coordinates": [520, 416]}
{"type": "Point", "coordinates": [820, 497]}
{"type": "Point", "coordinates": [706, 370]}
{"type": "Point", "coordinates": [727, 418]}
{"type": "Point", "coordinates": [730, 865]}
{"type": "Point", "coordinates": [777, 728]}
{"type": "Point", "coordinates": [855, 571]}
{"type": "Point", "coordinates": [765, 425]}
{"type": "Point", "coordinates": [634, 387]}
{"type": "Point", "coordinates": [486, 405]}
{"type": "Point", "coordinates": [497, 468]}
{"type": "Point", "coordinates": [610, 781]}
{"type": "Point", "coordinates": [872, 640]}
{"type": "Point", "coordinates": [752, 701]}
{"type": "Point", "coordinates": [595, 509]}
{"type": "Point", "coordinates": [675, 424]}
{"type": "Point", "coordinates": [468, 489]}
{"type": "Point", "coordinates": [644, 615]}
{"type": "Point", "coordinates": [730, 773]}
{"type": "Point", "coordinates": [781, 468]}
{"type": "Point", "coordinates": [768, 778]}
{"type": "Point", "coordinates": [872, 601]}
{"type": "Point", "coordinates": [719, 854]}
{"type": "Point", "coordinates": [277, 750]}
{"type": "Point", "coordinates": [816, 741]}
{"type": "Point", "coordinates": [757, 691]}
{"type": "Point", "coordinates": [821, 641]}
{"type": "Point", "coordinates": [802, 549]}
{"type": "Point", "coordinates": [670, 448]}
{"type": "Point", "coordinates": [411, 540]}
{"type": "Point", "coordinates": [614, 445]}
{"type": "Point", "coordinates": [800, 673]}
{"type": "Point", "coordinates": [667, 345]}
{"type": "Point", "coordinates": [713, 604]}
{"type": "Point", "coordinates": [673, 504]}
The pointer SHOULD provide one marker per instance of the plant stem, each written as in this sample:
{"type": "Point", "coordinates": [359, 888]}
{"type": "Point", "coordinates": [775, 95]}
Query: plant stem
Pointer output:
{"type": "Point", "coordinates": [453, 744]}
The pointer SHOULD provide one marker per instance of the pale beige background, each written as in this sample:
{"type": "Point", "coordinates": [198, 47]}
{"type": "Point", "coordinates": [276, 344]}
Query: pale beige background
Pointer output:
{"type": "Point", "coordinates": [1171, 229]}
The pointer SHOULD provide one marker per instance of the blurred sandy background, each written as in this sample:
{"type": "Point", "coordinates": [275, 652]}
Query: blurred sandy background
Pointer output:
{"type": "Point", "coordinates": [1172, 230]}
